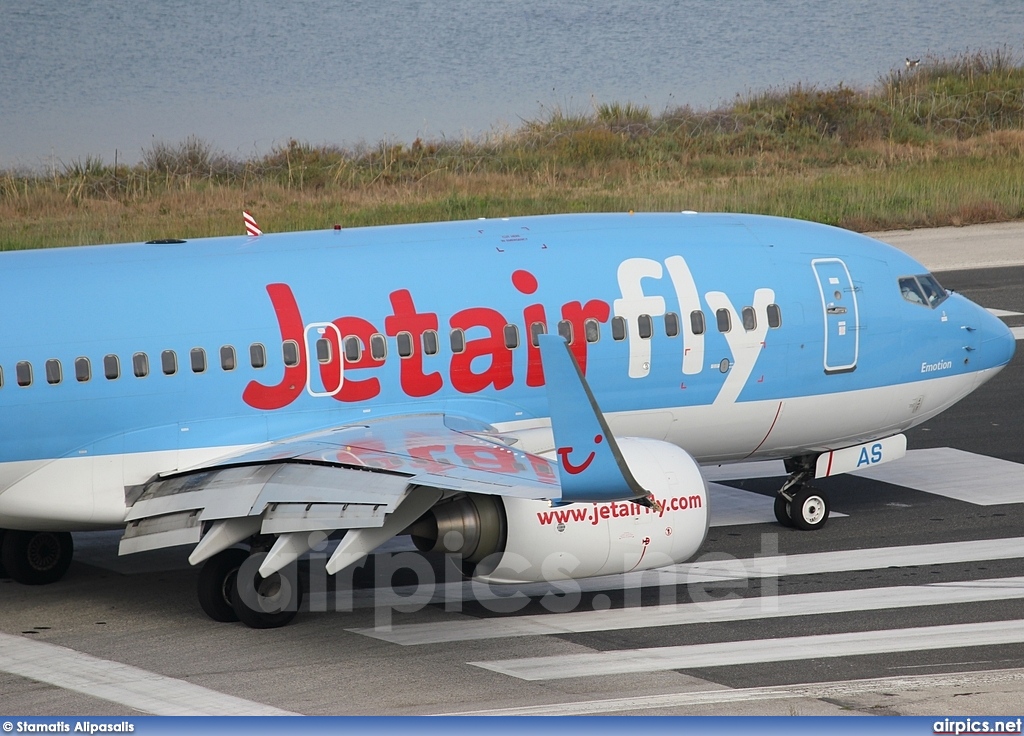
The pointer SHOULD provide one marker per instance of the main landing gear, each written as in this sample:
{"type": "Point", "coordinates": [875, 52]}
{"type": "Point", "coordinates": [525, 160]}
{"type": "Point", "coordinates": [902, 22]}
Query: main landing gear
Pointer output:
{"type": "Point", "coordinates": [35, 558]}
{"type": "Point", "coordinates": [231, 589]}
{"type": "Point", "coordinates": [797, 504]}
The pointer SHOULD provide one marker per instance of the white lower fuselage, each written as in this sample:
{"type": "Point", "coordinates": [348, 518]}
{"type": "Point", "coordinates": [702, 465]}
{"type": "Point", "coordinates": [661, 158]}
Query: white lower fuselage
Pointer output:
{"type": "Point", "coordinates": [88, 491]}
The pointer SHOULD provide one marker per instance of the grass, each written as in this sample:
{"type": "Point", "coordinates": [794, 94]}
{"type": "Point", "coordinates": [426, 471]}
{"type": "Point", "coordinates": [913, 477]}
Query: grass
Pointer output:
{"type": "Point", "coordinates": [942, 144]}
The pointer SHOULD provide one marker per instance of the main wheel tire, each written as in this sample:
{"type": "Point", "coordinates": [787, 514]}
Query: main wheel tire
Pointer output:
{"type": "Point", "coordinates": [809, 509]}
{"type": "Point", "coordinates": [265, 603]}
{"type": "Point", "coordinates": [216, 580]}
{"type": "Point", "coordinates": [782, 510]}
{"type": "Point", "coordinates": [36, 558]}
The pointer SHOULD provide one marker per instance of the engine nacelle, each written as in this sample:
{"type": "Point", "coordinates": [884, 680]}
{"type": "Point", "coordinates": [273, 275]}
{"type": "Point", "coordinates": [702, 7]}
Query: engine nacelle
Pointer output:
{"type": "Point", "coordinates": [512, 540]}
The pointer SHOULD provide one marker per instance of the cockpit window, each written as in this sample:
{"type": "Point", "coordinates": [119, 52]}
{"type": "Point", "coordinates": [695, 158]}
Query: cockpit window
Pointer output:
{"type": "Point", "coordinates": [922, 289]}
{"type": "Point", "coordinates": [933, 291]}
{"type": "Point", "coordinates": [911, 291]}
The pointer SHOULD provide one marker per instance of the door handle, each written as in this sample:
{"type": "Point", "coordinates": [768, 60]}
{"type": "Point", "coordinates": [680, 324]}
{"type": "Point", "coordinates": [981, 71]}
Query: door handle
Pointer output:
{"type": "Point", "coordinates": [836, 310]}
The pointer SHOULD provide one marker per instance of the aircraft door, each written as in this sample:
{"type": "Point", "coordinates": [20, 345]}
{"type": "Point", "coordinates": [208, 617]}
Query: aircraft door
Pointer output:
{"type": "Point", "coordinates": [839, 303]}
{"type": "Point", "coordinates": [324, 373]}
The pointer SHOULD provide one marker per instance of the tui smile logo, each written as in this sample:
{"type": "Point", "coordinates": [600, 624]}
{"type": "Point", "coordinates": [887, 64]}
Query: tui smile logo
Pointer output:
{"type": "Point", "coordinates": [563, 454]}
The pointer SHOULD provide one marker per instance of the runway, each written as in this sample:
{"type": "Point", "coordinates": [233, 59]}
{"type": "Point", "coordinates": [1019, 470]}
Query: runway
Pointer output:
{"type": "Point", "coordinates": [910, 601]}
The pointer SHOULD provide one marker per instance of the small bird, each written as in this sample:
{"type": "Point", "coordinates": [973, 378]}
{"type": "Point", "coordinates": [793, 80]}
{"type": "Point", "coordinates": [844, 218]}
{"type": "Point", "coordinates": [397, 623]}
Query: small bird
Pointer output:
{"type": "Point", "coordinates": [911, 63]}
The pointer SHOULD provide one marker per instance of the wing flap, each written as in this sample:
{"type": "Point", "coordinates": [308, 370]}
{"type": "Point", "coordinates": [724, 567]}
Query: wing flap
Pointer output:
{"type": "Point", "coordinates": [351, 477]}
{"type": "Point", "coordinates": [285, 518]}
{"type": "Point", "coordinates": [168, 530]}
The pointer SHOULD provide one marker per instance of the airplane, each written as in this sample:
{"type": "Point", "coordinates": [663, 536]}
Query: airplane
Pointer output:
{"type": "Point", "coordinates": [535, 395]}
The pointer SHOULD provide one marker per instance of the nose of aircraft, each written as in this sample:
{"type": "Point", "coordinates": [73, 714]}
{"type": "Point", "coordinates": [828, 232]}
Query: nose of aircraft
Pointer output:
{"type": "Point", "coordinates": [997, 341]}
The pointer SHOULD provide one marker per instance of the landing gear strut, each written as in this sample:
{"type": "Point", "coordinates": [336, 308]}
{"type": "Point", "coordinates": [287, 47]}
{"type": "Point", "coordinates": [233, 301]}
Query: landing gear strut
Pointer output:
{"type": "Point", "coordinates": [799, 505]}
{"type": "Point", "coordinates": [231, 589]}
{"type": "Point", "coordinates": [35, 558]}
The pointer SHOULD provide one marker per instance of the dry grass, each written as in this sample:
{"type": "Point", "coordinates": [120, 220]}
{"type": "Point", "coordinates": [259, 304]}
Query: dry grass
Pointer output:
{"type": "Point", "coordinates": [943, 144]}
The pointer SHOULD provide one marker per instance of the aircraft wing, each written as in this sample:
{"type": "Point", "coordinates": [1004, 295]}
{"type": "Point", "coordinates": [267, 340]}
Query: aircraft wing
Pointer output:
{"type": "Point", "coordinates": [375, 478]}
{"type": "Point", "coordinates": [349, 477]}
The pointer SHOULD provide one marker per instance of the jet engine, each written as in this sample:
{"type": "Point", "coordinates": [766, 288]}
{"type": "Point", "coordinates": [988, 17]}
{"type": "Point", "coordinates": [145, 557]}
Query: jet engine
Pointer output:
{"type": "Point", "coordinates": [513, 540]}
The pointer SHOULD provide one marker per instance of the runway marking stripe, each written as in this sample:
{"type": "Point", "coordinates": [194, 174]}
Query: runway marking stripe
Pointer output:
{"type": "Point", "coordinates": [816, 690]}
{"type": "Point", "coordinates": [816, 563]}
{"type": "Point", "coordinates": [1003, 313]}
{"type": "Point", "coordinates": [135, 688]}
{"type": "Point", "coordinates": [745, 471]}
{"type": "Point", "coordinates": [1018, 332]}
{"type": "Point", "coordinates": [952, 473]}
{"type": "Point", "coordinates": [802, 604]}
{"type": "Point", "coordinates": [789, 649]}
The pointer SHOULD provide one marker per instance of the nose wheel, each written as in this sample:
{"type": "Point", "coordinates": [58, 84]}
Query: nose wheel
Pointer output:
{"type": "Point", "coordinates": [802, 507]}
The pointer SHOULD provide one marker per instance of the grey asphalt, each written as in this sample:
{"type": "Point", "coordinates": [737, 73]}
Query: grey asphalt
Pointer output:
{"type": "Point", "coordinates": [143, 613]}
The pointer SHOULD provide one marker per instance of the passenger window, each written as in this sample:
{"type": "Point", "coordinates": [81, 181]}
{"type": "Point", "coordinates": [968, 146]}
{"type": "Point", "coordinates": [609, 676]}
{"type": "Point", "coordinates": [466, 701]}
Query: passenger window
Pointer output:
{"type": "Point", "coordinates": [511, 333]}
{"type": "Point", "coordinates": [565, 330]}
{"type": "Point", "coordinates": [431, 345]}
{"type": "Point", "coordinates": [323, 350]}
{"type": "Point", "coordinates": [197, 358]}
{"type": "Point", "coordinates": [378, 346]}
{"type": "Point", "coordinates": [404, 340]}
{"type": "Point", "coordinates": [618, 328]}
{"type": "Point", "coordinates": [54, 372]}
{"type": "Point", "coordinates": [911, 291]}
{"type": "Point", "coordinates": [140, 365]}
{"type": "Point", "coordinates": [353, 349]}
{"type": "Point", "coordinates": [749, 319]}
{"type": "Point", "coordinates": [697, 325]}
{"type": "Point", "coordinates": [23, 371]}
{"type": "Point", "coordinates": [111, 367]}
{"type": "Point", "coordinates": [645, 325]}
{"type": "Point", "coordinates": [169, 362]}
{"type": "Point", "coordinates": [592, 328]}
{"type": "Point", "coordinates": [536, 330]}
{"type": "Point", "coordinates": [724, 320]}
{"type": "Point", "coordinates": [257, 355]}
{"type": "Point", "coordinates": [671, 324]}
{"type": "Point", "coordinates": [774, 316]}
{"type": "Point", "coordinates": [228, 359]}
{"type": "Point", "coordinates": [458, 340]}
{"type": "Point", "coordinates": [290, 353]}
{"type": "Point", "coordinates": [83, 370]}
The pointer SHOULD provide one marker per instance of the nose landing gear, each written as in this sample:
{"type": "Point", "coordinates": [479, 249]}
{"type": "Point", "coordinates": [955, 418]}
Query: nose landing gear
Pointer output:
{"type": "Point", "coordinates": [800, 505]}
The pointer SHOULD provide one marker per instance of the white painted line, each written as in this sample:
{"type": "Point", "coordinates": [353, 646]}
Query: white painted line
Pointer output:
{"type": "Point", "coordinates": [693, 656]}
{"type": "Point", "coordinates": [746, 609]}
{"type": "Point", "coordinates": [964, 476]}
{"type": "Point", "coordinates": [732, 507]}
{"type": "Point", "coordinates": [135, 688]}
{"type": "Point", "coordinates": [1018, 332]}
{"type": "Point", "coordinates": [815, 690]}
{"type": "Point", "coordinates": [816, 563]}
{"type": "Point", "coordinates": [745, 471]}
{"type": "Point", "coordinates": [1003, 312]}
